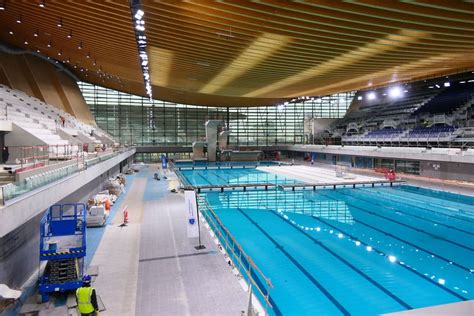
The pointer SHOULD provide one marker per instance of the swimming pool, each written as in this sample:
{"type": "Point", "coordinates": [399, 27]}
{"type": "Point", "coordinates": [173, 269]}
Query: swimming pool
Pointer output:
{"type": "Point", "coordinates": [363, 251]}
{"type": "Point", "coordinates": [236, 176]}
{"type": "Point", "coordinates": [354, 251]}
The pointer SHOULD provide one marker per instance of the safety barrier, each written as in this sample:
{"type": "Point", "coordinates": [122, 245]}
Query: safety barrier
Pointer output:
{"type": "Point", "coordinates": [243, 261]}
{"type": "Point", "coordinates": [12, 190]}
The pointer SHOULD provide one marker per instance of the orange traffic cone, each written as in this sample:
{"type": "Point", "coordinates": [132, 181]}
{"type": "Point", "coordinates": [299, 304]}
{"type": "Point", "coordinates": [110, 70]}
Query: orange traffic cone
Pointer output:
{"type": "Point", "coordinates": [125, 217]}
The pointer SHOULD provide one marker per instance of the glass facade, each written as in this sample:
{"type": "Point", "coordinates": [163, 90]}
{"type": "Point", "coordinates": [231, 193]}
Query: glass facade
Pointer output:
{"type": "Point", "coordinates": [138, 121]}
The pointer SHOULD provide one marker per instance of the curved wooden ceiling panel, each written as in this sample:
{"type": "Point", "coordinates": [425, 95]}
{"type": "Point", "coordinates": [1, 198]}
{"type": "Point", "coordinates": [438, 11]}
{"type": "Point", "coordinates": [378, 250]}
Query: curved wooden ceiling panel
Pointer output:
{"type": "Point", "coordinates": [237, 53]}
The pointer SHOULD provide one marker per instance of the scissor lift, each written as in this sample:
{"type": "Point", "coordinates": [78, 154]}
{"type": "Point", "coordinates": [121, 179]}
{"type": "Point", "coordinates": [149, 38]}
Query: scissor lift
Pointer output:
{"type": "Point", "coordinates": [63, 246]}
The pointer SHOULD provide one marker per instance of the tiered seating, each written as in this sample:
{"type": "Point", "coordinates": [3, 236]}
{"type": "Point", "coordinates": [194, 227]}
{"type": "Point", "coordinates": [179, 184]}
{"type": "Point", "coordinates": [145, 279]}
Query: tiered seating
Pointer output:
{"type": "Point", "coordinates": [372, 113]}
{"type": "Point", "coordinates": [435, 132]}
{"type": "Point", "coordinates": [386, 132]}
{"type": "Point", "coordinates": [44, 121]}
{"type": "Point", "coordinates": [450, 99]}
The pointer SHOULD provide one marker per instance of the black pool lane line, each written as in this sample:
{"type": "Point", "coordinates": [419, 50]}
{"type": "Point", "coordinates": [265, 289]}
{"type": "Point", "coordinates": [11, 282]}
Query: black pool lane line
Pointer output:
{"type": "Point", "coordinates": [435, 204]}
{"type": "Point", "coordinates": [410, 214]}
{"type": "Point", "coordinates": [298, 265]}
{"type": "Point", "coordinates": [396, 238]}
{"type": "Point", "coordinates": [256, 278]}
{"type": "Point", "coordinates": [403, 224]}
{"type": "Point", "coordinates": [398, 262]}
{"type": "Point", "coordinates": [319, 243]}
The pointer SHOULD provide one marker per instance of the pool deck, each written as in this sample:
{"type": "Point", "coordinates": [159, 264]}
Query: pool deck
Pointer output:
{"type": "Point", "coordinates": [458, 187]}
{"type": "Point", "coordinates": [318, 175]}
{"type": "Point", "coordinates": [150, 267]}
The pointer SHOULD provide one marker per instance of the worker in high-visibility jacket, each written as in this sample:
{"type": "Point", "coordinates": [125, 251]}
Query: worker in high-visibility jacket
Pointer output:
{"type": "Point", "coordinates": [86, 298]}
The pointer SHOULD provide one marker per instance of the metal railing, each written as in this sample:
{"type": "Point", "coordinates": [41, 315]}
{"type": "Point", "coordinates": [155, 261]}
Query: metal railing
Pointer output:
{"type": "Point", "coordinates": [76, 163]}
{"type": "Point", "coordinates": [244, 263]}
{"type": "Point", "coordinates": [37, 156]}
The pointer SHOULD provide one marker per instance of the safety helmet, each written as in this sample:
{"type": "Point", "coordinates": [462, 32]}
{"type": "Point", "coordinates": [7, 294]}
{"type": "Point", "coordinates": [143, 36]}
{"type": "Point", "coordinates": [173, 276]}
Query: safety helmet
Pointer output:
{"type": "Point", "coordinates": [86, 278]}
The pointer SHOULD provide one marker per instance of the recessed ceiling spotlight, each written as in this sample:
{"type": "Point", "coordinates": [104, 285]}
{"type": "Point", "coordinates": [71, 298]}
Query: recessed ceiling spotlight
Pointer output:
{"type": "Point", "coordinates": [60, 52]}
{"type": "Point", "coordinates": [10, 32]}
{"type": "Point", "coordinates": [35, 34]}
{"type": "Point", "coordinates": [88, 55]}
{"type": "Point", "coordinates": [79, 46]}
{"type": "Point", "coordinates": [19, 20]}
{"type": "Point", "coordinates": [42, 3]}
{"type": "Point", "coordinates": [94, 63]}
{"type": "Point", "coordinates": [69, 35]}
{"type": "Point", "coordinates": [37, 50]}
{"type": "Point", "coordinates": [2, 6]}
{"type": "Point", "coordinates": [395, 92]}
{"type": "Point", "coordinates": [60, 22]}
{"type": "Point", "coordinates": [26, 42]}
{"type": "Point", "coordinates": [49, 44]}
{"type": "Point", "coordinates": [68, 60]}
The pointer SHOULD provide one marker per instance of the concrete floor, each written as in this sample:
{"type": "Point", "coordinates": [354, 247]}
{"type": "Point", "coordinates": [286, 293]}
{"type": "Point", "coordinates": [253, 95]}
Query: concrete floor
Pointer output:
{"type": "Point", "coordinates": [317, 175]}
{"type": "Point", "coordinates": [150, 267]}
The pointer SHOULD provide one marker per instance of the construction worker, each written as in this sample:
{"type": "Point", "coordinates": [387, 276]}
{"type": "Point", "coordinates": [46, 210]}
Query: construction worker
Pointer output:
{"type": "Point", "coordinates": [86, 298]}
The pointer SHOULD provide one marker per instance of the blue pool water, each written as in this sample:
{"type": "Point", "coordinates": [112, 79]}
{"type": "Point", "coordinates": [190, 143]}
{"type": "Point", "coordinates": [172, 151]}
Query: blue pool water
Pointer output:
{"type": "Point", "coordinates": [201, 177]}
{"type": "Point", "coordinates": [363, 251]}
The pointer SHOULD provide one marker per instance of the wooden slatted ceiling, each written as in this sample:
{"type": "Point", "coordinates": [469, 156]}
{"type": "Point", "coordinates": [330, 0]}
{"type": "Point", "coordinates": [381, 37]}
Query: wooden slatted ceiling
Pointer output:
{"type": "Point", "coordinates": [237, 53]}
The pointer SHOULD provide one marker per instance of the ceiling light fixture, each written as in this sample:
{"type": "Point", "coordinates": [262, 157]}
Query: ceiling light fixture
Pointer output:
{"type": "Point", "coordinates": [19, 20]}
{"type": "Point", "coordinates": [10, 32]}
{"type": "Point", "coordinates": [137, 15]}
{"type": "Point", "coordinates": [49, 44]}
{"type": "Point", "coordinates": [79, 46]}
{"type": "Point", "coordinates": [42, 3]}
{"type": "Point", "coordinates": [371, 96]}
{"type": "Point", "coordinates": [35, 34]}
{"type": "Point", "coordinates": [2, 6]}
{"type": "Point", "coordinates": [26, 42]}
{"type": "Point", "coordinates": [88, 55]}
{"type": "Point", "coordinates": [60, 52]}
{"type": "Point", "coordinates": [395, 92]}
{"type": "Point", "coordinates": [60, 22]}
{"type": "Point", "coordinates": [447, 84]}
{"type": "Point", "coordinates": [70, 34]}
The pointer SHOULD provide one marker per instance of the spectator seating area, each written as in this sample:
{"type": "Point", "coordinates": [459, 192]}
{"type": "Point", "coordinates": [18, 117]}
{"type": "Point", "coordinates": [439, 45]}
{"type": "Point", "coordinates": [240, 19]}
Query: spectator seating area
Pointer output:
{"type": "Point", "coordinates": [431, 132]}
{"type": "Point", "coordinates": [41, 124]}
{"type": "Point", "coordinates": [449, 99]}
{"type": "Point", "coordinates": [373, 113]}
{"type": "Point", "coordinates": [426, 115]}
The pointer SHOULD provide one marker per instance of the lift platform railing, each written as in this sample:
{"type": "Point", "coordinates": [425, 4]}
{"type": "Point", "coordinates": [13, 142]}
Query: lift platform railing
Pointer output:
{"type": "Point", "coordinates": [245, 264]}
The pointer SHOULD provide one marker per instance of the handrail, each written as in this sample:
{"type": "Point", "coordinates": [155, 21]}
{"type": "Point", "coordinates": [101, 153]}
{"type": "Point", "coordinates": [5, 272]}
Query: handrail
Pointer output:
{"type": "Point", "coordinates": [265, 294]}
{"type": "Point", "coordinates": [14, 189]}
